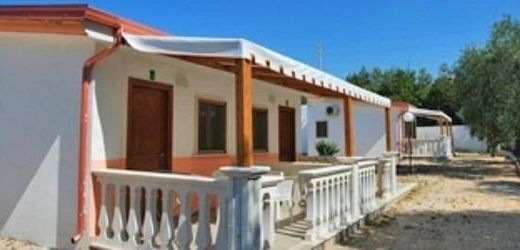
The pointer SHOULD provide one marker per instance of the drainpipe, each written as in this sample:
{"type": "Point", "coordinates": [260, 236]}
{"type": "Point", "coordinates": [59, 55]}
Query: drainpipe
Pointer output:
{"type": "Point", "coordinates": [84, 131]}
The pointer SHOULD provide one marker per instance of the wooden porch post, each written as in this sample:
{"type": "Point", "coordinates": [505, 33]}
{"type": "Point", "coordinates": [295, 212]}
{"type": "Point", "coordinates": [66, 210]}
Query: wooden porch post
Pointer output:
{"type": "Point", "coordinates": [349, 126]}
{"type": "Point", "coordinates": [388, 126]}
{"type": "Point", "coordinates": [244, 110]}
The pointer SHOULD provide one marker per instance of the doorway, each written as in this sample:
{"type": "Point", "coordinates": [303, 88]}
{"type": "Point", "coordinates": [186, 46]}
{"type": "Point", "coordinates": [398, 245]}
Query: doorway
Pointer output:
{"type": "Point", "coordinates": [286, 134]}
{"type": "Point", "coordinates": [149, 126]}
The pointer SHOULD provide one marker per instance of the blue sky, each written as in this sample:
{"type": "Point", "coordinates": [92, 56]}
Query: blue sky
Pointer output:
{"type": "Point", "coordinates": [410, 33]}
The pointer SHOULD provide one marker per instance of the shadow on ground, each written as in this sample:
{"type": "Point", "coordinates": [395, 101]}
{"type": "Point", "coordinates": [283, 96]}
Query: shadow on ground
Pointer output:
{"type": "Point", "coordinates": [460, 167]}
{"type": "Point", "coordinates": [438, 230]}
{"type": "Point", "coordinates": [502, 187]}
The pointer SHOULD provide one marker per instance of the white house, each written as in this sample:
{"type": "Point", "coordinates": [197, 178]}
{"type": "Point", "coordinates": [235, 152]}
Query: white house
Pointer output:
{"type": "Point", "coordinates": [83, 91]}
{"type": "Point", "coordinates": [376, 129]}
{"type": "Point", "coordinates": [324, 119]}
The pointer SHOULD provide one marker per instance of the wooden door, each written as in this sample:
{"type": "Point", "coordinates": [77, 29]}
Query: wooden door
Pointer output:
{"type": "Point", "coordinates": [286, 134]}
{"type": "Point", "coordinates": [149, 128]}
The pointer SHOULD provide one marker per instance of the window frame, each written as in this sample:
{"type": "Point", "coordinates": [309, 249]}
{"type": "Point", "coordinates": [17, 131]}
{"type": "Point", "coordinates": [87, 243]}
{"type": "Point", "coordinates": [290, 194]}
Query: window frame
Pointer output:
{"type": "Point", "coordinates": [211, 102]}
{"type": "Point", "coordinates": [326, 129]}
{"type": "Point", "coordinates": [266, 149]}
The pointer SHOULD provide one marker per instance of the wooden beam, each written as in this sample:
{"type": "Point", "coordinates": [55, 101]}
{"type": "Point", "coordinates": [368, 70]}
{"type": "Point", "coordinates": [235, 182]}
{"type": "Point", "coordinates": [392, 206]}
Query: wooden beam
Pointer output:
{"type": "Point", "coordinates": [349, 126]}
{"type": "Point", "coordinates": [244, 112]}
{"type": "Point", "coordinates": [212, 62]}
{"type": "Point", "coordinates": [388, 126]}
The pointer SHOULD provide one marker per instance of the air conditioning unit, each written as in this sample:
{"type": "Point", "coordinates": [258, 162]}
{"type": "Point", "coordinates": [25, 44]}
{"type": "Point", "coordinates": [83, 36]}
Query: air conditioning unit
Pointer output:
{"type": "Point", "coordinates": [332, 110]}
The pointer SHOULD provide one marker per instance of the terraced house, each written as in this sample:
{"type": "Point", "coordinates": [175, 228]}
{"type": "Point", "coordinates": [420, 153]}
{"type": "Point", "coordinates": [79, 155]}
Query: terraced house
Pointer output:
{"type": "Point", "coordinates": [116, 134]}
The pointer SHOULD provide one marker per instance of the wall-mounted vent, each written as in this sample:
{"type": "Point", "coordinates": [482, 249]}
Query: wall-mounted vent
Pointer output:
{"type": "Point", "coordinates": [332, 110]}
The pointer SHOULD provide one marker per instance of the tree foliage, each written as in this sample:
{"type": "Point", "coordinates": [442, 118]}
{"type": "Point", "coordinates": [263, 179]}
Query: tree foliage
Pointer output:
{"type": "Point", "coordinates": [488, 85]}
{"type": "Point", "coordinates": [416, 87]}
{"type": "Point", "coordinates": [482, 90]}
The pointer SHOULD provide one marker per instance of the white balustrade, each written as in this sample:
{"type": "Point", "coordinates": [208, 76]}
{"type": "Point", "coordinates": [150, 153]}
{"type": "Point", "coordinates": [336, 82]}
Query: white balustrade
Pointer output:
{"type": "Point", "coordinates": [143, 210]}
{"type": "Point", "coordinates": [328, 192]}
{"type": "Point", "coordinates": [166, 201]}
{"type": "Point", "coordinates": [429, 147]}
{"type": "Point", "coordinates": [367, 185]}
{"type": "Point", "coordinates": [337, 196]}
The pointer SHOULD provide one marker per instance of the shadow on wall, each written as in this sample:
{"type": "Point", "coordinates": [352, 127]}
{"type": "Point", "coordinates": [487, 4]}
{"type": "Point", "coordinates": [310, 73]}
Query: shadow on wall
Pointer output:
{"type": "Point", "coordinates": [370, 134]}
{"type": "Point", "coordinates": [475, 229]}
{"type": "Point", "coordinates": [39, 163]}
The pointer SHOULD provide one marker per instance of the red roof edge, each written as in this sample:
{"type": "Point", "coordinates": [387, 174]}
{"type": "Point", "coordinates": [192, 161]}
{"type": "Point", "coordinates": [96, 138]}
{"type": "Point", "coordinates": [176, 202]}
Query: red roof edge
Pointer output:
{"type": "Point", "coordinates": [401, 104]}
{"type": "Point", "coordinates": [75, 11]}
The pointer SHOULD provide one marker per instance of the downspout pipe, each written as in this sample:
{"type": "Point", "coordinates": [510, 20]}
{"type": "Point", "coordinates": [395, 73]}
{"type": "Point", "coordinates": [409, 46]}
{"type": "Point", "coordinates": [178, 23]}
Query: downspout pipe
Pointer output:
{"type": "Point", "coordinates": [84, 132]}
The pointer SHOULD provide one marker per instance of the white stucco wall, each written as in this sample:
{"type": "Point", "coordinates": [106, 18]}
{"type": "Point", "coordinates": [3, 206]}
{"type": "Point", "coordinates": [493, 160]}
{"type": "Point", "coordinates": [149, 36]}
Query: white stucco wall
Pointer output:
{"type": "Point", "coordinates": [316, 111]}
{"type": "Point", "coordinates": [462, 137]}
{"type": "Point", "coordinates": [369, 127]}
{"type": "Point", "coordinates": [40, 79]}
{"type": "Point", "coordinates": [395, 121]}
{"type": "Point", "coordinates": [190, 82]}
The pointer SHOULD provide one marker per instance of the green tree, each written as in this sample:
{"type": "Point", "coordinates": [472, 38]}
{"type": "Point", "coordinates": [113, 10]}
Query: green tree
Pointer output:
{"type": "Point", "coordinates": [442, 94]}
{"type": "Point", "coordinates": [395, 83]}
{"type": "Point", "coordinates": [487, 85]}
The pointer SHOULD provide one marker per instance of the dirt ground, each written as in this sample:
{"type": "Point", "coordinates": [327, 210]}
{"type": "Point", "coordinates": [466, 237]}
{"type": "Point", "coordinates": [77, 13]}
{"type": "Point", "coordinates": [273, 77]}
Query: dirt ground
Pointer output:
{"type": "Point", "coordinates": [10, 244]}
{"type": "Point", "coordinates": [470, 202]}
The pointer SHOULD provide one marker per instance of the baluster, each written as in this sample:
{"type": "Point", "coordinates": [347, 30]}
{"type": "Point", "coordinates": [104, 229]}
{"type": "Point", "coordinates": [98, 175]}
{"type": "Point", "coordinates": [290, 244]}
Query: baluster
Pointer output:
{"type": "Point", "coordinates": [184, 234]}
{"type": "Point", "coordinates": [322, 204]}
{"type": "Point", "coordinates": [374, 188]}
{"type": "Point", "coordinates": [204, 233]}
{"type": "Point", "coordinates": [343, 200]}
{"type": "Point", "coordinates": [314, 210]}
{"type": "Point", "coordinates": [149, 224]}
{"type": "Point", "coordinates": [348, 198]}
{"type": "Point", "coordinates": [339, 199]}
{"type": "Point", "coordinates": [369, 187]}
{"type": "Point", "coordinates": [165, 229]}
{"type": "Point", "coordinates": [222, 222]}
{"type": "Point", "coordinates": [361, 189]}
{"type": "Point", "coordinates": [132, 226]}
{"type": "Point", "coordinates": [104, 219]}
{"type": "Point", "coordinates": [118, 221]}
{"type": "Point", "coordinates": [365, 189]}
{"type": "Point", "coordinates": [327, 204]}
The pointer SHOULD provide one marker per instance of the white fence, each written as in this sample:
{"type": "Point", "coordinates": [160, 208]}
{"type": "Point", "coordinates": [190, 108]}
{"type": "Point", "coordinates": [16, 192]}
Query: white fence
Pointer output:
{"type": "Point", "coordinates": [166, 202]}
{"type": "Point", "coordinates": [338, 196]}
{"type": "Point", "coordinates": [462, 139]}
{"type": "Point", "coordinates": [142, 210]}
{"type": "Point", "coordinates": [440, 147]}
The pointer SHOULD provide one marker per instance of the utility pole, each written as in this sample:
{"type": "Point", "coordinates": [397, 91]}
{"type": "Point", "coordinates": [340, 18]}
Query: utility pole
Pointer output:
{"type": "Point", "coordinates": [319, 54]}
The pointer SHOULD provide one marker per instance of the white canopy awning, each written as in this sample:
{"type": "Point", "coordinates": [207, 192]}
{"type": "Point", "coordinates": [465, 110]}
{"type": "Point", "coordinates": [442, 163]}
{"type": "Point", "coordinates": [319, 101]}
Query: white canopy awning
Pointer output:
{"type": "Point", "coordinates": [243, 49]}
{"type": "Point", "coordinates": [428, 113]}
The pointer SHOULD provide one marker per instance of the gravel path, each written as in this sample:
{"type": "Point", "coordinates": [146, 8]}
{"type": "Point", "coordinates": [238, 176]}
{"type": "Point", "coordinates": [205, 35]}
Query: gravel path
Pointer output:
{"type": "Point", "coordinates": [472, 202]}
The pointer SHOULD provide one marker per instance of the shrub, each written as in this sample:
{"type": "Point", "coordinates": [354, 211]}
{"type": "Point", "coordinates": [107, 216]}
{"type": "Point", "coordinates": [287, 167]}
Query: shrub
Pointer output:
{"type": "Point", "coordinates": [326, 148]}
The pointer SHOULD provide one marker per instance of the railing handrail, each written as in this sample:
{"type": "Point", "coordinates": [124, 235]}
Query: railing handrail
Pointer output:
{"type": "Point", "coordinates": [319, 172]}
{"type": "Point", "coordinates": [366, 164]}
{"type": "Point", "coordinates": [159, 178]}
{"type": "Point", "coordinates": [427, 140]}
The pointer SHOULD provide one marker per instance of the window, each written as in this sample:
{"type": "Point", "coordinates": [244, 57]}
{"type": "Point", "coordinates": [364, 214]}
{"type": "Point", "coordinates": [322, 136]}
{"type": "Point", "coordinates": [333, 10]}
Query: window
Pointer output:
{"type": "Point", "coordinates": [260, 134]}
{"type": "Point", "coordinates": [321, 129]}
{"type": "Point", "coordinates": [212, 127]}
